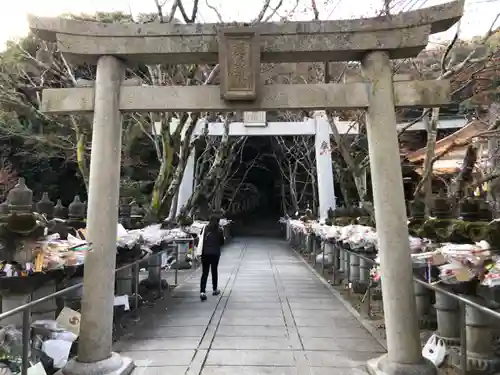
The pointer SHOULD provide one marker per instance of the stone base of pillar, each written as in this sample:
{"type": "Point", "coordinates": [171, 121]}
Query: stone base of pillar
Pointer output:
{"type": "Point", "coordinates": [114, 365]}
{"type": "Point", "coordinates": [381, 366]}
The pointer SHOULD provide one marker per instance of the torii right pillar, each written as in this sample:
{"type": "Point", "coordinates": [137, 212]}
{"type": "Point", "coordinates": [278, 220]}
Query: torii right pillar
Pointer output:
{"type": "Point", "coordinates": [404, 355]}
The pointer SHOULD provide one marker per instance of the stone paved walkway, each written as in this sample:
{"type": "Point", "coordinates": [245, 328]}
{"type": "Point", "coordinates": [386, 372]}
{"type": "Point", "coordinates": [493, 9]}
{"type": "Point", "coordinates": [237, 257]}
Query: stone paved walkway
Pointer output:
{"type": "Point", "coordinates": [274, 317]}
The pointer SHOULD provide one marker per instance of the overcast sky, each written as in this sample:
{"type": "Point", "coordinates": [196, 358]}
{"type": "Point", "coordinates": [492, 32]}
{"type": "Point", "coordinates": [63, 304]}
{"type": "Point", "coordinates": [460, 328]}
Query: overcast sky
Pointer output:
{"type": "Point", "coordinates": [478, 16]}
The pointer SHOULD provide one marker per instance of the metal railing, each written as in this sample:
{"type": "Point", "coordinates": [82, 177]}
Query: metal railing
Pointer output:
{"type": "Point", "coordinates": [365, 306]}
{"type": "Point", "coordinates": [26, 309]}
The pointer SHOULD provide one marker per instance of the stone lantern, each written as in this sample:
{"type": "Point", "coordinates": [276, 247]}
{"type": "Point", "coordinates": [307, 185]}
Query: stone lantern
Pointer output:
{"type": "Point", "coordinates": [20, 198]}
{"type": "Point", "coordinates": [124, 213]}
{"type": "Point", "coordinates": [136, 215]}
{"type": "Point", "coordinates": [76, 209]}
{"type": "Point", "coordinates": [416, 209]}
{"type": "Point", "coordinates": [442, 208]}
{"type": "Point", "coordinates": [60, 211]}
{"type": "Point", "coordinates": [20, 220]}
{"type": "Point", "coordinates": [76, 213]}
{"type": "Point", "coordinates": [124, 209]}
{"type": "Point", "coordinates": [45, 206]}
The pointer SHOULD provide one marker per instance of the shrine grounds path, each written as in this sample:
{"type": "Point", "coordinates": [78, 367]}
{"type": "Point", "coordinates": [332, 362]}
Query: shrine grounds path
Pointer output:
{"type": "Point", "coordinates": [274, 317]}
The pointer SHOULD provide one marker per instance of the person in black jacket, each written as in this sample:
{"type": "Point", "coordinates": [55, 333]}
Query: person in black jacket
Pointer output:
{"type": "Point", "coordinates": [213, 240]}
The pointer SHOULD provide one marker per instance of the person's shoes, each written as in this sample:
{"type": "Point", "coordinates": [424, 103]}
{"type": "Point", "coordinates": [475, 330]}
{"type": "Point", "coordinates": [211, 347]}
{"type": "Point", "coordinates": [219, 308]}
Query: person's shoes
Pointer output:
{"type": "Point", "coordinates": [203, 297]}
{"type": "Point", "coordinates": [216, 292]}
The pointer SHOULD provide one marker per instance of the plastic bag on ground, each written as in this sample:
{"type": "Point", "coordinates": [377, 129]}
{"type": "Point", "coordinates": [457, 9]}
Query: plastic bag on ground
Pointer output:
{"type": "Point", "coordinates": [435, 350]}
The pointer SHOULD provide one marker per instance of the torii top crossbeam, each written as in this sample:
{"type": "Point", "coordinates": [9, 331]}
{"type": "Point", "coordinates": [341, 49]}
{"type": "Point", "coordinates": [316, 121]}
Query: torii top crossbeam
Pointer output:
{"type": "Point", "coordinates": [402, 35]}
{"type": "Point", "coordinates": [240, 51]}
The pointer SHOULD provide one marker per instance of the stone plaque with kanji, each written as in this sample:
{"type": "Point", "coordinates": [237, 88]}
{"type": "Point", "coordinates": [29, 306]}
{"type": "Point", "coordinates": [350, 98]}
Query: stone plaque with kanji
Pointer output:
{"type": "Point", "coordinates": [239, 59]}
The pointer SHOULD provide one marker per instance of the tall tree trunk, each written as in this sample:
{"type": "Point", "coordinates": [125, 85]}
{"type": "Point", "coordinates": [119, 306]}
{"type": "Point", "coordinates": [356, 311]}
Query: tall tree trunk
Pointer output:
{"type": "Point", "coordinates": [283, 196]}
{"type": "Point", "coordinates": [186, 147]}
{"type": "Point", "coordinates": [352, 167]}
{"type": "Point", "coordinates": [293, 191]}
{"type": "Point", "coordinates": [161, 182]}
{"type": "Point", "coordinates": [81, 158]}
{"type": "Point", "coordinates": [81, 153]}
{"type": "Point", "coordinates": [213, 174]}
{"type": "Point", "coordinates": [494, 160]}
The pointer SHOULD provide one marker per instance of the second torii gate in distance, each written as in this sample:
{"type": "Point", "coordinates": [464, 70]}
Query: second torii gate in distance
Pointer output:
{"type": "Point", "coordinates": [316, 126]}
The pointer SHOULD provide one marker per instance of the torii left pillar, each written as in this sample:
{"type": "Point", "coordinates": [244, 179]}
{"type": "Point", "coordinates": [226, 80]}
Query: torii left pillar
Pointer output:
{"type": "Point", "coordinates": [95, 356]}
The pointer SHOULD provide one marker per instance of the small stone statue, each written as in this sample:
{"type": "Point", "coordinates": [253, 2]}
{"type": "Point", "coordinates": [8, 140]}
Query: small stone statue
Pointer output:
{"type": "Point", "coordinates": [60, 212]}
{"type": "Point", "coordinates": [76, 209]}
{"type": "Point", "coordinates": [45, 206]}
{"type": "Point", "coordinates": [20, 197]}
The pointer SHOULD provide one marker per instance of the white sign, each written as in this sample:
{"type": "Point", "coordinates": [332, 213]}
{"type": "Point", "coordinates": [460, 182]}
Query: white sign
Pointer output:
{"type": "Point", "coordinates": [69, 320]}
{"type": "Point", "coordinates": [38, 369]}
{"type": "Point", "coordinates": [254, 118]}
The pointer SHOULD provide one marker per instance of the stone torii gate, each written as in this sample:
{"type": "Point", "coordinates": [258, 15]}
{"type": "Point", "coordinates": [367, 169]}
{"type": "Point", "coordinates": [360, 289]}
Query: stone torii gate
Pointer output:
{"type": "Point", "coordinates": [239, 51]}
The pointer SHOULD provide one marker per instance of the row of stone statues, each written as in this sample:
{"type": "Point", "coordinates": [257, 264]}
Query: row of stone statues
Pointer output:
{"type": "Point", "coordinates": [20, 200]}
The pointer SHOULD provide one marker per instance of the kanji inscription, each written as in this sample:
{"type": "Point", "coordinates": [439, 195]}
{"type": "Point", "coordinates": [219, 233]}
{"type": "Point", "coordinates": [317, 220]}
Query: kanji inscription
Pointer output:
{"type": "Point", "coordinates": [238, 74]}
{"type": "Point", "coordinates": [239, 59]}
{"type": "Point", "coordinates": [325, 148]}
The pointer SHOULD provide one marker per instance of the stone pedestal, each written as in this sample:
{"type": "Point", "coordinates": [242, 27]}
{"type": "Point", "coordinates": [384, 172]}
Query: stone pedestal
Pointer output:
{"type": "Point", "coordinates": [360, 285]}
{"type": "Point", "coordinates": [353, 268]}
{"type": "Point", "coordinates": [309, 244]}
{"type": "Point", "coordinates": [336, 255]}
{"type": "Point", "coordinates": [45, 310]}
{"type": "Point", "coordinates": [48, 309]}
{"type": "Point", "coordinates": [448, 319]}
{"type": "Point", "coordinates": [423, 302]}
{"type": "Point", "coordinates": [347, 267]}
{"type": "Point", "coordinates": [10, 302]}
{"type": "Point", "coordinates": [328, 251]}
{"type": "Point", "coordinates": [314, 246]}
{"type": "Point", "coordinates": [73, 299]}
{"type": "Point", "coordinates": [325, 256]}
{"type": "Point", "coordinates": [364, 271]}
{"type": "Point", "coordinates": [124, 282]}
{"type": "Point", "coordinates": [342, 257]}
{"type": "Point", "coordinates": [480, 333]}
{"type": "Point", "coordinates": [154, 270]}
{"type": "Point", "coordinates": [336, 264]}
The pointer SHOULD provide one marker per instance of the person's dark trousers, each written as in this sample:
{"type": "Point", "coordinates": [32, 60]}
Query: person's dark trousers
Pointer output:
{"type": "Point", "coordinates": [209, 263]}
